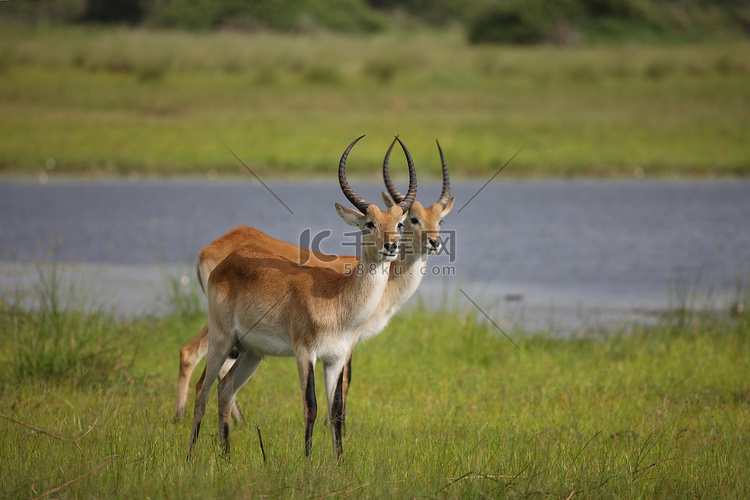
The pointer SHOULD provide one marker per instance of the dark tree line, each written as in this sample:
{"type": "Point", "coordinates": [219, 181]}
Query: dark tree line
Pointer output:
{"type": "Point", "coordinates": [485, 21]}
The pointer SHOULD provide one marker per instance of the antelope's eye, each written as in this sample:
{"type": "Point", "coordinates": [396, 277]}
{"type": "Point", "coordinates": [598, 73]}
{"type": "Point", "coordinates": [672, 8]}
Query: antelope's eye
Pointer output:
{"type": "Point", "coordinates": [370, 225]}
{"type": "Point", "coordinates": [400, 226]}
{"type": "Point", "coordinates": [440, 223]}
{"type": "Point", "coordinates": [414, 220]}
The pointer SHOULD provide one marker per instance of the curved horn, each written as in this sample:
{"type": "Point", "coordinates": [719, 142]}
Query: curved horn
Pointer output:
{"type": "Point", "coordinates": [397, 197]}
{"type": "Point", "coordinates": [446, 194]}
{"type": "Point", "coordinates": [355, 199]}
{"type": "Point", "coordinates": [411, 194]}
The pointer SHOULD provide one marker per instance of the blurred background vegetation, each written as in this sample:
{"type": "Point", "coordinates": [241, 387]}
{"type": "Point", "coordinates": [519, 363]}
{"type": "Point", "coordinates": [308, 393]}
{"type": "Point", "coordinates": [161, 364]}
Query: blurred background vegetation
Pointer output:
{"type": "Point", "coordinates": [484, 21]}
{"type": "Point", "coordinates": [583, 87]}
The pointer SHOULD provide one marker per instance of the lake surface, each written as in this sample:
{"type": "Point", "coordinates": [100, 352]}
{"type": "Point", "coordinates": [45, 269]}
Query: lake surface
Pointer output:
{"type": "Point", "coordinates": [548, 254]}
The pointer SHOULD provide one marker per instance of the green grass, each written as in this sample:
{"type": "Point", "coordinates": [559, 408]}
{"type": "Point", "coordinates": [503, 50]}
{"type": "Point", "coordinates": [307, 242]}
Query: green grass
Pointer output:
{"type": "Point", "coordinates": [117, 102]}
{"type": "Point", "coordinates": [441, 406]}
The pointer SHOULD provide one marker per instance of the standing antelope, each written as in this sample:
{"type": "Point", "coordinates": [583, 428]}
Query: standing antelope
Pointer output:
{"type": "Point", "coordinates": [264, 304]}
{"type": "Point", "coordinates": [420, 240]}
{"type": "Point", "coordinates": [208, 258]}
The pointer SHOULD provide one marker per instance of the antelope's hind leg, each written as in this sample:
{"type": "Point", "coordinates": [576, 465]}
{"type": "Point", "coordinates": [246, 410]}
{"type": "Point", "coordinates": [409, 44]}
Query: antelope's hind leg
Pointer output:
{"type": "Point", "coordinates": [214, 361]}
{"type": "Point", "coordinates": [242, 370]}
{"type": "Point", "coordinates": [237, 415]}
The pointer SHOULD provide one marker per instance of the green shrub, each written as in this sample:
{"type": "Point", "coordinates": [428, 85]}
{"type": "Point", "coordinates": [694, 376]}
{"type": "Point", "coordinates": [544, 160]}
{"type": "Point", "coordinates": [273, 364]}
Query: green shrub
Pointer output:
{"type": "Point", "coordinates": [45, 11]}
{"type": "Point", "coordinates": [505, 24]}
{"type": "Point", "coordinates": [351, 16]}
{"type": "Point", "coordinates": [381, 70]}
{"type": "Point", "coordinates": [436, 12]}
{"type": "Point", "coordinates": [534, 21]}
{"type": "Point", "coordinates": [522, 21]}
{"type": "Point", "coordinates": [277, 15]}
{"type": "Point", "coordinates": [322, 74]}
{"type": "Point", "coordinates": [187, 14]}
{"type": "Point", "coordinates": [659, 69]}
{"type": "Point", "coordinates": [620, 9]}
{"type": "Point", "coordinates": [114, 11]}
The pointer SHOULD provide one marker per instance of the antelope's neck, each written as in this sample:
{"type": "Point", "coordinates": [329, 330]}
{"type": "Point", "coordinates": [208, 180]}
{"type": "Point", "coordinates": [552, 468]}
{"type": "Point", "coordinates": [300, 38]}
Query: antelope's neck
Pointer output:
{"type": "Point", "coordinates": [405, 275]}
{"type": "Point", "coordinates": [366, 284]}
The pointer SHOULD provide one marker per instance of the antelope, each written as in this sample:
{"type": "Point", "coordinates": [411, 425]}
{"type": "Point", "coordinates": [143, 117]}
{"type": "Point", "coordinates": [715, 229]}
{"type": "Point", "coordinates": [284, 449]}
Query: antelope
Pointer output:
{"type": "Point", "coordinates": [264, 304]}
{"type": "Point", "coordinates": [208, 258]}
{"type": "Point", "coordinates": [421, 226]}
{"type": "Point", "coordinates": [420, 239]}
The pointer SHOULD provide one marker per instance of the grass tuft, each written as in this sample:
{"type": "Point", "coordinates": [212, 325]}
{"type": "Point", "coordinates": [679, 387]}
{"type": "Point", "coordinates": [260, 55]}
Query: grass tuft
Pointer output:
{"type": "Point", "coordinates": [57, 336]}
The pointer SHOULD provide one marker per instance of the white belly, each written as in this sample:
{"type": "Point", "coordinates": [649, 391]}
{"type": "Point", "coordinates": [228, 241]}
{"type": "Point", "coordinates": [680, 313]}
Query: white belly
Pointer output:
{"type": "Point", "coordinates": [335, 348]}
{"type": "Point", "coordinates": [265, 343]}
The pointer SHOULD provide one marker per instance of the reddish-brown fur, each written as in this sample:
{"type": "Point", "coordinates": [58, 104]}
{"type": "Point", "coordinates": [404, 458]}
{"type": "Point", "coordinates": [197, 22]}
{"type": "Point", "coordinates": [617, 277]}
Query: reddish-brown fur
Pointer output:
{"type": "Point", "coordinates": [208, 258]}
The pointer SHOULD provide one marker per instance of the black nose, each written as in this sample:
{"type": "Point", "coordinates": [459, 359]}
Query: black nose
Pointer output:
{"type": "Point", "coordinates": [390, 247]}
{"type": "Point", "coordinates": [434, 242]}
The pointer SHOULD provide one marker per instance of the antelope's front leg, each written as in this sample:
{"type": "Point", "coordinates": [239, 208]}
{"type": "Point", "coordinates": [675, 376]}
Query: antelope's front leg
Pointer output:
{"type": "Point", "coordinates": [306, 371]}
{"type": "Point", "coordinates": [346, 383]}
{"type": "Point", "coordinates": [334, 375]}
{"type": "Point", "coordinates": [190, 355]}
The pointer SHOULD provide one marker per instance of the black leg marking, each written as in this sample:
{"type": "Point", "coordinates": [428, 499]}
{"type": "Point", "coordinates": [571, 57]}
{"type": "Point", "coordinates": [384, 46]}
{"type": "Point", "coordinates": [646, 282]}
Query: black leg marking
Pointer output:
{"type": "Point", "coordinates": [311, 408]}
{"type": "Point", "coordinates": [193, 440]}
{"type": "Point", "coordinates": [337, 414]}
{"type": "Point", "coordinates": [225, 437]}
{"type": "Point", "coordinates": [345, 392]}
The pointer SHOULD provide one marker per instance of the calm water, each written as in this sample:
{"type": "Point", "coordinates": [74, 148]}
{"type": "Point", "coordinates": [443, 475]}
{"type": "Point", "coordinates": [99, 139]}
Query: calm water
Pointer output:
{"type": "Point", "coordinates": [554, 254]}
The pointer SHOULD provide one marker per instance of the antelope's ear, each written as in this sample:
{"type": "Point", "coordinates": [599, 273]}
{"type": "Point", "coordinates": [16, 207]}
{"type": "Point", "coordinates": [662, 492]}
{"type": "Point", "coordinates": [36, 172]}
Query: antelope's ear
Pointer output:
{"type": "Point", "coordinates": [351, 216]}
{"type": "Point", "coordinates": [448, 207]}
{"type": "Point", "coordinates": [387, 200]}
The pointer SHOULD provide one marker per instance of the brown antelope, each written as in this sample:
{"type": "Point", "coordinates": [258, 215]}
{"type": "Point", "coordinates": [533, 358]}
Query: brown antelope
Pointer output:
{"type": "Point", "coordinates": [209, 257]}
{"type": "Point", "coordinates": [263, 304]}
{"type": "Point", "coordinates": [420, 239]}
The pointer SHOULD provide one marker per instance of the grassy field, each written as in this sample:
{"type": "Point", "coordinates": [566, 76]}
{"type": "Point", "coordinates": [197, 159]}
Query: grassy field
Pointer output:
{"type": "Point", "coordinates": [441, 406]}
{"type": "Point", "coordinates": [133, 102]}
